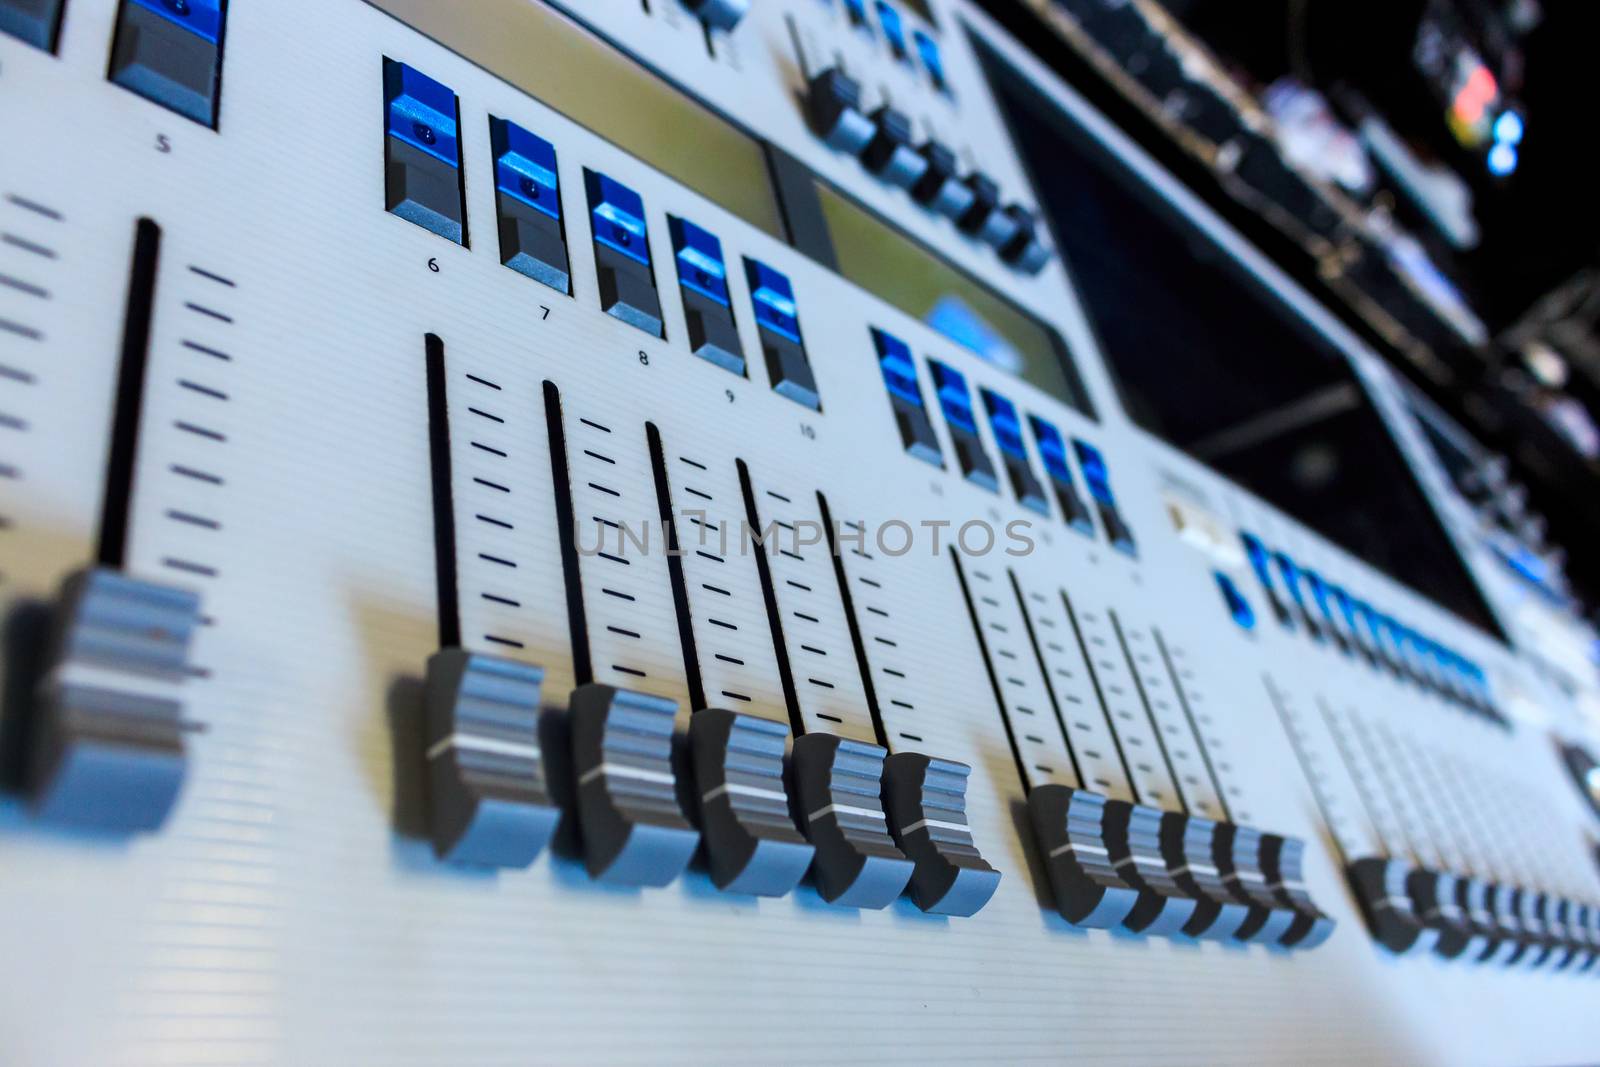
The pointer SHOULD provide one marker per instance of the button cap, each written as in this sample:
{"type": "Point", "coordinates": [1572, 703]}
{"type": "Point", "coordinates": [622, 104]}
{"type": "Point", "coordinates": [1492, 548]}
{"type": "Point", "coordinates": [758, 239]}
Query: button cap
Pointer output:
{"type": "Point", "coordinates": [833, 103]}
{"type": "Point", "coordinates": [1053, 454]}
{"type": "Point", "coordinates": [839, 786]}
{"type": "Point", "coordinates": [1026, 250]}
{"type": "Point", "coordinates": [1133, 844]}
{"type": "Point", "coordinates": [1282, 860]}
{"type": "Point", "coordinates": [528, 198]}
{"type": "Point", "coordinates": [1097, 476]}
{"type": "Point", "coordinates": [170, 52]}
{"type": "Point", "coordinates": [33, 22]}
{"type": "Point", "coordinates": [1379, 885]}
{"type": "Point", "coordinates": [1236, 851]}
{"type": "Point", "coordinates": [703, 283]}
{"type": "Point", "coordinates": [939, 189]}
{"type": "Point", "coordinates": [1006, 425]}
{"type": "Point", "coordinates": [1069, 825]}
{"type": "Point", "coordinates": [107, 751]}
{"type": "Point", "coordinates": [633, 831]}
{"type": "Point", "coordinates": [955, 400]}
{"type": "Point", "coordinates": [488, 800]}
{"type": "Point", "coordinates": [889, 154]}
{"type": "Point", "coordinates": [622, 254]}
{"type": "Point", "coordinates": [905, 398]}
{"type": "Point", "coordinates": [778, 325]}
{"type": "Point", "coordinates": [752, 844]}
{"type": "Point", "coordinates": [926, 801]}
{"type": "Point", "coordinates": [1434, 899]}
{"type": "Point", "coordinates": [984, 219]}
{"type": "Point", "coordinates": [1186, 845]}
{"type": "Point", "coordinates": [422, 153]}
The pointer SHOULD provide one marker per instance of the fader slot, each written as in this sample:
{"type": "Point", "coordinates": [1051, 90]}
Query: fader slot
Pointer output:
{"type": "Point", "coordinates": [740, 727]}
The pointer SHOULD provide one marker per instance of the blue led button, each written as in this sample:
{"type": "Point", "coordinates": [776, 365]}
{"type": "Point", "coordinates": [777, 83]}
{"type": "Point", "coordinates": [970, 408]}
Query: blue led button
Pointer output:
{"type": "Point", "coordinates": [955, 400]}
{"type": "Point", "coordinates": [894, 30]}
{"type": "Point", "coordinates": [1260, 558]}
{"type": "Point", "coordinates": [1006, 425]}
{"type": "Point", "coordinates": [703, 282]}
{"type": "Point", "coordinates": [1097, 476]}
{"type": "Point", "coordinates": [422, 152]}
{"type": "Point", "coordinates": [905, 398]}
{"type": "Point", "coordinates": [1053, 454]}
{"type": "Point", "coordinates": [1239, 608]}
{"type": "Point", "coordinates": [622, 253]}
{"type": "Point", "coordinates": [778, 324]}
{"type": "Point", "coordinates": [932, 59]}
{"type": "Point", "coordinates": [170, 53]}
{"type": "Point", "coordinates": [533, 239]}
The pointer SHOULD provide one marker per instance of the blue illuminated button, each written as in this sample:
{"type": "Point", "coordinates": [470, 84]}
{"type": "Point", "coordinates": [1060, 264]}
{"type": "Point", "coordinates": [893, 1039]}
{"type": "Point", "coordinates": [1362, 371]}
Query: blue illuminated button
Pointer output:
{"type": "Point", "coordinates": [894, 30]}
{"type": "Point", "coordinates": [1006, 425]}
{"type": "Point", "coordinates": [1323, 598]}
{"type": "Point", "coordinates": [932, 59]}
{"type": "Point", "coordinates": [905, 398]}
{"type": "Point", "coordinates": [857, 10]}
{"type": "Point", "coordinates": [34, 22]}
{"type": "Point", "coordinates": [1345, 604]}
{"type": "Point", "coordinates": [1097, 476]}
{"type": "Point", "coordinates": [533, 239]}
{"type": "Point", "coordinates": [1260, 558]}
{"type": "Point", "coordinates": [1053, 454]}
{"type": "Point", "coordinates": [170, 52]}
{"type": "Point", "coordinates": [955, 400]}
{"type": "Point", "coordinates": [422, 152]}
{"type": "Point", "coordinates": [703, 282]}
{"type": "Point", "coordinates": [622, 253]}
{"type": "Point", "coordinates": [778, 325]}
{"type": "Point", "coordinates": [1290, 571]}
{"type": "Point", "coordinates": [1239, 608]}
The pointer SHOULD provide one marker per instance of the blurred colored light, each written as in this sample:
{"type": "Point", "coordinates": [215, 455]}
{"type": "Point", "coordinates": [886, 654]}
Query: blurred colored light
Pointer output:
{"type": "Point", "coordinates": [1508, 128]}
{"type": "Point", "coordinates": [1502, 159]}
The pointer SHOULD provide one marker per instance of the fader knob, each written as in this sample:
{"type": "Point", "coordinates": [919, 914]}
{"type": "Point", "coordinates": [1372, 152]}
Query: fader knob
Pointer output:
{"type": "Point", "coordinates": [833, 102]}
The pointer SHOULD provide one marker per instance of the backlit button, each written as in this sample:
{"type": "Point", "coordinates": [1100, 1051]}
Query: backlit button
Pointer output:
{"type": "Point", "coordinates": [1053, 454]}
{"type": "Point", "coordinates": [703, 282]}
{"type": "Point", "coordinates": [528, 200]}
{"type": "Point", "coordinates": [932, 60]}
{"type": "Point", "coordinates": [1006, 425]}
{"type": "Point", "coordinates": [833, 102]}
{"type": "Point", "coordinates": [423, 152]}
{"type": "Point", "coordinates": [1097, 476]}
{"type": "Point", "coordinates": [622, 253]}
{"type": "Point", "coordinates": [905, 398]}
{"type": "Point", "coordinates": [889, 155]}
{"type": "Point", "coordinates": [894, 30]}
{"type": "Point", "coordinates": [955, 400]}
{"type": "Point", "coordinates": [170, 52]}
{"type": "Point", "coordinates": [777, 322]}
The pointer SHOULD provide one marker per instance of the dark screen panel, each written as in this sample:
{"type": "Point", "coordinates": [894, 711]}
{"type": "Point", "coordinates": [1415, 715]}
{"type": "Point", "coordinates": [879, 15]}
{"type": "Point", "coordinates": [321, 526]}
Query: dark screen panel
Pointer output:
{"type": "Point", "coordinates": [1206, 357]}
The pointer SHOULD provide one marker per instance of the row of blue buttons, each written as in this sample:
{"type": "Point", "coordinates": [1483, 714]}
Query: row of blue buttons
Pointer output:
{"type": "Point", "coordinates": [893, 27]}
{"type": "Point", "coordinates": [1356, 626]}
{"type": "Point", "coordinates": [422, 112]}
{"type": "Point", "coordinates": [955, 401]}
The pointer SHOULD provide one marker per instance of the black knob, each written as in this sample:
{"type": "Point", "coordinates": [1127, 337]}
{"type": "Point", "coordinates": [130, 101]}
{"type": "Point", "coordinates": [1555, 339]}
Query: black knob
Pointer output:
{"type": "Point", "coordinates": [833, 103]}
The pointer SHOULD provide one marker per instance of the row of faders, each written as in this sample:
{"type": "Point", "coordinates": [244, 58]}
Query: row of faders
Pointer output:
{"type": "Point", "coordinates": [651, 629]}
